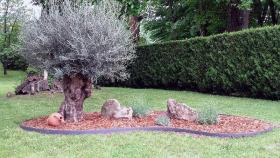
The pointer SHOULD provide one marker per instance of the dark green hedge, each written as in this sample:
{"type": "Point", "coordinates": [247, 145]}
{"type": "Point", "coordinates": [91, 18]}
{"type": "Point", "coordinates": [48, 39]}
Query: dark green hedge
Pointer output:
{"type": "Point", "coordinates": [245, 63]}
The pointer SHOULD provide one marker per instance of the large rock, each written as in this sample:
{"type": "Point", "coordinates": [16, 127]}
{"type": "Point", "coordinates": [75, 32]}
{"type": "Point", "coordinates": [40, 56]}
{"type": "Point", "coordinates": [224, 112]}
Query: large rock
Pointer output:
{"type": "Point", "coordinates": [181, 111]}
{"type": "Point", "coordinates": [112, 109]}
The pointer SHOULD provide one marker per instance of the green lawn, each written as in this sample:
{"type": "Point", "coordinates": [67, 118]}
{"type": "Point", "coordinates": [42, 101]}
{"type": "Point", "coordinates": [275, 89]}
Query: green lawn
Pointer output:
{"type": "Point", "coordinates": [15, 142]}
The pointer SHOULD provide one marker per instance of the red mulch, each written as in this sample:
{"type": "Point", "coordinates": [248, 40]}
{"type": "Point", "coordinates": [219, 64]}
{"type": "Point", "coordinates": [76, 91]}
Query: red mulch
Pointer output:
{"type": "Point", "coordinates": [93, 120]}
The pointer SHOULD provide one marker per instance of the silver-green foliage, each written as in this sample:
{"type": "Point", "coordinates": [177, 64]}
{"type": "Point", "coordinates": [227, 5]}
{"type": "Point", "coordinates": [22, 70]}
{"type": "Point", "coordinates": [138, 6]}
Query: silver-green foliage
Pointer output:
{"type": "Point", "coordinates": [208, 116]}
{"type": "Point", "coordinates": [162, 120]}
{"type": "Point", "coordinates": [91, 40]}
{"type": "Point", "coordinates": [140, 106]}
{"type": "Point", "coordinates": [140, 111]}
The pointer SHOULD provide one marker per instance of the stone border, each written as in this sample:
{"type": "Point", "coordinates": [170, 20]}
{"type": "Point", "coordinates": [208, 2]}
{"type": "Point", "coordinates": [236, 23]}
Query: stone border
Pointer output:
{"type": "Point", "coordinates": [159, 129]}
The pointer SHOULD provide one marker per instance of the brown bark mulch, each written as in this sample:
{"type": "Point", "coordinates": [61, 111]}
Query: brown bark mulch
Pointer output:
{"type": "Point", "coordinates": [227, 123]}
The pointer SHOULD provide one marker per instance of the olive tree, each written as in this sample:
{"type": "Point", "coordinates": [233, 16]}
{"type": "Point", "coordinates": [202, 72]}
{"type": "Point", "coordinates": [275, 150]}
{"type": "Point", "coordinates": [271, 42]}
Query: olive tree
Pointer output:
{"type": "Point", "coordinates": [79, 43]}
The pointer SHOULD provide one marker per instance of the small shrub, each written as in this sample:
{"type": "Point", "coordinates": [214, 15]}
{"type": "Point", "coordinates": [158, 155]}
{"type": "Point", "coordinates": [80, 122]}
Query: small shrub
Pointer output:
{"type": "Point", "coordinates": [208, 116]}
{"type": "Point", "coordinates": [32, 71]}
{"type": "Point", "coordinates": [163, 121]}
{"type": "Point", "coordinates": [140, 111]}
{"type": "Point", "coordinates": [139, 106]}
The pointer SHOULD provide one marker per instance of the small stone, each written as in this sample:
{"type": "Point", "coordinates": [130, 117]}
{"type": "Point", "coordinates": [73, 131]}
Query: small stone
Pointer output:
{"type": "Point", "coordinates": [10, 95]}
{"type": "Point", "coordinates": [112, 109]}
{"type": "Point", "coordinates": [97, 87]}
{"type": "Point", "coordinates": [55, 119]}
{"type": "Point", "coordinates": [181, 111]}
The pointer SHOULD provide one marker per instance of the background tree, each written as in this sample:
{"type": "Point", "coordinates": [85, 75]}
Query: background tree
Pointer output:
{"type": "Point", "coordinates": [180, 19]}
{"type": "Point", "coordinates": [135, 10]}
{"type": "Point", "coordinates": [265, 12]}
{"type": "Point", "coordinates": [177, 19]}
{"type": "Point", "coordinates": [11, 14]}
{"type": "Point", "coordinates": [79, 44]}
{"type": "Point", "coordinates": [238, 14]}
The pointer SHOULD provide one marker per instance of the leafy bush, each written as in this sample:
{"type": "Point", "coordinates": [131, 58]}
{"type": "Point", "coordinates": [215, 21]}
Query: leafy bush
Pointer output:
{"type": "Point", "coordinates": [17, 63]}
{"type": "Point", "coordinates": [140, 111]}
{"type": "Point", "coordinates": [163, 120]}
{"type": "Point", "coordinates": [244, 63]}
{"type": "Point", "coordinates": [139, 106]}
{"type": "Point", "coordinates": [208, 116]}
{"type": "Point", "coordinates": [32, 71]}
{"type": "Point", "coordinates": [12, 59]}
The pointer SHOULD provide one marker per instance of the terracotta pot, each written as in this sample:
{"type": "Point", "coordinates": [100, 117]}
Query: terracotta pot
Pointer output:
{"type": "Point", "coordinates": [55, 119]}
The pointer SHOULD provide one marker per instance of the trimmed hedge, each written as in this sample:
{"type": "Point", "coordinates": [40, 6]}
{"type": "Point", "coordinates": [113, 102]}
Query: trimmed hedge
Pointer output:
{"type": "Point", "coordinates": [245, 63]}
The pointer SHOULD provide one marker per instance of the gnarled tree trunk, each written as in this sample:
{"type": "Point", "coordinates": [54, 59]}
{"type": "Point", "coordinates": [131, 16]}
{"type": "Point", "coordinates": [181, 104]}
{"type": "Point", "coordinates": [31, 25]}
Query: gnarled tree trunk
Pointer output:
{"type": "Point", "coordinates": [76, 89]}
{"type": "Point", "coordinates": [5, 69]}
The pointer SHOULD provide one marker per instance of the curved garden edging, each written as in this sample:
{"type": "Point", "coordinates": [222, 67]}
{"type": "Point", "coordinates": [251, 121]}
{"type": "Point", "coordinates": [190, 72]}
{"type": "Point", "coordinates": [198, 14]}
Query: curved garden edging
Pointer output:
{"type": "Point", "coordinates": [159, 129]}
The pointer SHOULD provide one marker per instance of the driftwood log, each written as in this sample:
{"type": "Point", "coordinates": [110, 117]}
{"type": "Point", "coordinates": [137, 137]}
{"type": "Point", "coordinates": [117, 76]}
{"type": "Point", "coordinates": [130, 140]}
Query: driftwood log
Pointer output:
{"type": "Point", "coordinates": [32, 85]}
{"type": "Point", "coordinates": [35, 84]}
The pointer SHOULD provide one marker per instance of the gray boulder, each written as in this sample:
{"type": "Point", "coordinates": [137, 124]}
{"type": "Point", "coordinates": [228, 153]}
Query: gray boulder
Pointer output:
{"type": "Point", "coordinates": [112, 109]}
{"type": "Point", "coordinates": [181, 111]}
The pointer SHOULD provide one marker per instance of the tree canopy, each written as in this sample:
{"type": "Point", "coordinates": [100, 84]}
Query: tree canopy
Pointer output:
{"type": "Point", "coordinates": [12, 12]}
{"type": "Point", "coordinates": [164, 20]}
{"type": "Point", "coordinates": [180, 19]}
{"type": "Point", "coordinates": [88, 40]}
{"type": "Point", "coordinates": [78, 43]}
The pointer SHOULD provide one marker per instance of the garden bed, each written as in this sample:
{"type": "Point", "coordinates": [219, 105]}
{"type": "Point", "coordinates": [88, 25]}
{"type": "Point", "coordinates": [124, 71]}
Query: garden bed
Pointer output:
{"type": "Point", "coordinates": [228, 126]}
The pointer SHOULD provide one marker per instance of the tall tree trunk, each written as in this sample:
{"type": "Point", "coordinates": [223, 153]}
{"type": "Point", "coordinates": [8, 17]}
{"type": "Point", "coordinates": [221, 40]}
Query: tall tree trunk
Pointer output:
{"type": "Point", "coordinates": [5, 68]}
{"type": "Point", "coordinates": [264, 13]}
{"type": "Point", "coordinates": [234, 22]}
{"type": "Point", "coordinates": [245, 19]}
{"type": "Point", "coordinates": [5, 31]}
{"type": "Point", "coordinates": [5, 17]}
{"type": "Point", "coordinates": [135, 27]}
{"type": "Point", "coordinates": [237, 18]}
{"type": "Point", "coordinates": [76, 89]}
{"type": "Point", "coordinates": [273, 13]}
{"type": "Point", "coordinates": [203, 27]}
{"type": "Point", "coordinates": [261, 11]}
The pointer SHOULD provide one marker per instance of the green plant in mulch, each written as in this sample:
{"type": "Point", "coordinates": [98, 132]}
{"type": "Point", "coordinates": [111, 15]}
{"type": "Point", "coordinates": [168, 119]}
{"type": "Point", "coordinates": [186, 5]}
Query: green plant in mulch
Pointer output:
{"type": "Point", "coordinates": [140, 111]}
{"type": "Point", "coordinates": [162, 120]}
{"type": "Point", "coordinates": [208, 116]}
{"type": "Point", "coordinates": [140, 106]}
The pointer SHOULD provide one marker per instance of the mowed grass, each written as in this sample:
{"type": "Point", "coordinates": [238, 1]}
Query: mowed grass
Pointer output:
{"type": "Point", "coordinates": [14, 142]}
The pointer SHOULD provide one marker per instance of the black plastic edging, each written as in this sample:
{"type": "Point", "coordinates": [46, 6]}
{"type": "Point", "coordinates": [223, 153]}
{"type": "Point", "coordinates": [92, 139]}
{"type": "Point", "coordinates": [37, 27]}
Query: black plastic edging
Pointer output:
{"type": "Point", "coordinates": [160, 129]}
